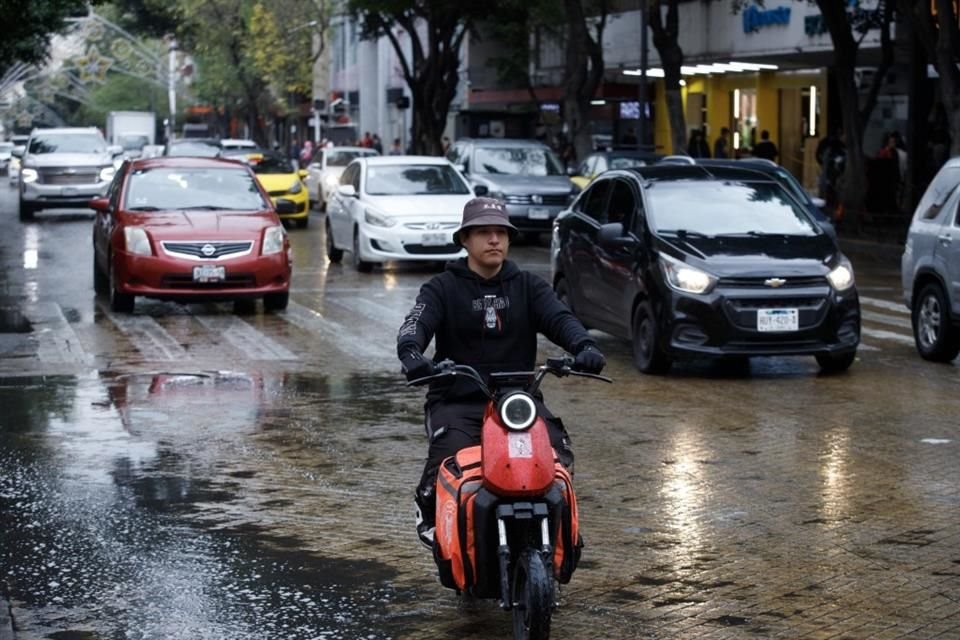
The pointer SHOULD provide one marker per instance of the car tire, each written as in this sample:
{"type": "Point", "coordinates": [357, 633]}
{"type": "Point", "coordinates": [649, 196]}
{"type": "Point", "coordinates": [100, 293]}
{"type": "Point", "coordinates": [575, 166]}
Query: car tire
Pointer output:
{"type": "Point", "coordinates": [119, 302]}
{"type": "Point", "coordinates": [835, 363]}
{"type": "Point", "coordinates": [27, 210]}
{"type": "Point", "coordinates": [101, 284]}
{"type": "Point", "coordinates": [933, 332]}
{"type": "Point", "coordinates": [360, 265]}
{"type": "Point", "coordinates": [333, 254]}
{"type": "Point", "coordinates": [276, 301]}
{"type": "Point", "coordinates": [648, 355]}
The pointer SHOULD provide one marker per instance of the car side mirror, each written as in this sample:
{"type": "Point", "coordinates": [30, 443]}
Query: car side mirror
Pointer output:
{"type": "Point", "coordinates": [17, 151]}
{"type": "Point", "coordinates": [282, 205]}
{"type": "Point", "coordinates": [480, 189]}
{"type": "Point", "coordinates": [613, 234]}
{"type": "Point", "coordinates": [819, 203]}
{"type": "Point", "coordinates": [347, 191]}
{"type": "Point", "coordinates": [462, 168]}
{"type": "Point", "coordinates": [115, 149]}
{"type": "Point", "coordinates": [302, 173]}
{"type": "Point", "coordinates": [100, 204]}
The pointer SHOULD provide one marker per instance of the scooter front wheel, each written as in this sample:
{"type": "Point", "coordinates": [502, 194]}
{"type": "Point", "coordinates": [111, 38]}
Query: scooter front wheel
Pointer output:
{"type": "Point", "coordinates": [532, 597]}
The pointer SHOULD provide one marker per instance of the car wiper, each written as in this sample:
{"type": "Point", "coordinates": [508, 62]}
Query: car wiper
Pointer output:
{"type": "Point", "coordinates": [684, 233]}
{"type": "Point", "coordinates": [205, 207]}
{"type": "Point", "coordinates": [145, 208]}
{"type": "Point", "coordinates": [752, 234]}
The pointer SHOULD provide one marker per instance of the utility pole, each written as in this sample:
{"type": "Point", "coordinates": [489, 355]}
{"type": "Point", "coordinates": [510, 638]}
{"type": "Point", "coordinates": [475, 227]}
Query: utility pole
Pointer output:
{"type": "Point", "coordinates": [642, 128]}
{"type": "Point", "coordinates": [172, 87]}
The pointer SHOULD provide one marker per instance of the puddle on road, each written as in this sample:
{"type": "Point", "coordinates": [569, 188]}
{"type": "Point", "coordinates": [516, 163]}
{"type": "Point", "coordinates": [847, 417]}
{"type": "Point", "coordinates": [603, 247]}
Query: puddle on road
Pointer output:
{"type": "Point", "coordinates": [133, 502]}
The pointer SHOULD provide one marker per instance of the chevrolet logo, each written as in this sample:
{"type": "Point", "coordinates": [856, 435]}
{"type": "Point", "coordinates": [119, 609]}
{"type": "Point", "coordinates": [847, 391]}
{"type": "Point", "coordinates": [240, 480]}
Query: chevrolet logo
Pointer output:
{"type": "Point", "coordinates": [774, 282]}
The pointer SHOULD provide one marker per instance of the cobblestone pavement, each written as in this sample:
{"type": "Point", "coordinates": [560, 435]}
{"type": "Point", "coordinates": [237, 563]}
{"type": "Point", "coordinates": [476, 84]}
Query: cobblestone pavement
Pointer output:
{"type": "Point", "coordinates": [768, 502]}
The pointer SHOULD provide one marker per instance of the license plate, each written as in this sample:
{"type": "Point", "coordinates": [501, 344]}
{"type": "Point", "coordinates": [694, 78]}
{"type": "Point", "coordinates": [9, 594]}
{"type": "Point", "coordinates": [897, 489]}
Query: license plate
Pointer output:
{"type": "Point", "coordinates": [435, 239]}
{"type": "Point", "coordinates": [209, 273]}
{"type": "Point", "coordinates": [778, 320]}
{"type": "Point", "coordinates": [69, 191]}
{"type": "Point", "coordinates": [538, 213]}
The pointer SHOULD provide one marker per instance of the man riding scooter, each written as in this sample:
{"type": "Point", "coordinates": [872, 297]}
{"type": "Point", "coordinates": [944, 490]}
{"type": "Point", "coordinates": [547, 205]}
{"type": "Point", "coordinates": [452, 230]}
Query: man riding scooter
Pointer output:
{"type": "Point", "coordinates": [485, 312]}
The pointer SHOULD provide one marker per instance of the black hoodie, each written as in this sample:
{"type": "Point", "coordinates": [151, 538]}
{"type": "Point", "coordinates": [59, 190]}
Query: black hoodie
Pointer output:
{"type": "Point", "coordinates": [491, 325]}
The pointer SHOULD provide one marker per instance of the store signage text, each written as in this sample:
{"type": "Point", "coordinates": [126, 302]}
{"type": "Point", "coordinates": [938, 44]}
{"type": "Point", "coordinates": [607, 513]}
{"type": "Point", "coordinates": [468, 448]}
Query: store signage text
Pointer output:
{"type": "Point", "coordinates": [755, 18]}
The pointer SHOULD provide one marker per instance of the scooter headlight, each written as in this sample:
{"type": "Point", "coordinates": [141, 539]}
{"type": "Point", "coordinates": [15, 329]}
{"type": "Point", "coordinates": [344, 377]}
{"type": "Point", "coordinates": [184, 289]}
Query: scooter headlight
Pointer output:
{"type": "Point", "coordinates": [518, 411]}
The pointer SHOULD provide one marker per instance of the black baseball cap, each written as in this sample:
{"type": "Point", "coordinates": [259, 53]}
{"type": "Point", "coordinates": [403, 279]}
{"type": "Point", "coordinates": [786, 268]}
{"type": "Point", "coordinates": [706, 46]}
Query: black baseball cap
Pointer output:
{"type": "Point", "coordinates": [484, 212]}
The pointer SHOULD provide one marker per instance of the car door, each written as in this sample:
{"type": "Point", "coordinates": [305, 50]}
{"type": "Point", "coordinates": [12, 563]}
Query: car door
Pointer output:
{"type": "Point", "coordinates": [948, 252]}
{"type": "Point", "coordinates": [615, 262]}
{"type": "Point", "coordinates": [313, 174]}
{"type": "Point", "coordinates": [341, 208]}
{"type": "Point", "coordinates": [104, 222]}
{"type": "Point", "coordinates": [582, 245]}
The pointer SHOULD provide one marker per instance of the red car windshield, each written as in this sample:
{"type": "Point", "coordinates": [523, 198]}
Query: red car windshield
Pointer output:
{"type": "Point", "coordinates": [173, 188]}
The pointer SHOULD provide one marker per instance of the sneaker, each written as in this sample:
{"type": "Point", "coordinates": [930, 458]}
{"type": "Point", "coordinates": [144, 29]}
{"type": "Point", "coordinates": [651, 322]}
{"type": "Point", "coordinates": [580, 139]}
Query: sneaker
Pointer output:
{"type": "Point", "coordinates": [425, 528]}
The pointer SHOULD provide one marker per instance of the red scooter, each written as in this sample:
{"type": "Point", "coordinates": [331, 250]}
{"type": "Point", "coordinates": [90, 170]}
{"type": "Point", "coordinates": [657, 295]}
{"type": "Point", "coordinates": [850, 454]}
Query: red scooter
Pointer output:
{"type": "Point", "coordinates": [507, 525]}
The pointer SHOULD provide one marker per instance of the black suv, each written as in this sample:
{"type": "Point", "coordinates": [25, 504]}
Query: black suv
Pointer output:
{"type": "Point", "coordinates": [690, 260]}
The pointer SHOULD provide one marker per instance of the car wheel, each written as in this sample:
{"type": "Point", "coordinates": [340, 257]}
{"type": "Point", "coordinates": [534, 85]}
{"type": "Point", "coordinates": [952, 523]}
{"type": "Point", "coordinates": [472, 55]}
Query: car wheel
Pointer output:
{"type": "Point", "coordinates": [321, 203]}
{"type": "Point", "coordinates": [835, 363]}
{"type": "Point", "coordinates": [100, 281]}
{"type": "Point", "coordinates": [119, 302]}
{"type": "Point", "coordinates": [276, 301]}
{"type": "Point", "coordinates": [27, 210]}
{"type": "Point", "coordinates": [361, 265]}
{"type": "Point", "coordinates": [933, 333]}
{"type": "Point", "coordinates": [333, 254]}
{"type": "Point", "coordinates": [648, 355]}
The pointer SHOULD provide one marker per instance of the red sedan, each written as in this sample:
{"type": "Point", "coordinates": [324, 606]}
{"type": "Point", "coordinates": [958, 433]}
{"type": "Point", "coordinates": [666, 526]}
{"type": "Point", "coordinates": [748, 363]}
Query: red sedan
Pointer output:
{"type": "Point", "coordinates": [190, 230]}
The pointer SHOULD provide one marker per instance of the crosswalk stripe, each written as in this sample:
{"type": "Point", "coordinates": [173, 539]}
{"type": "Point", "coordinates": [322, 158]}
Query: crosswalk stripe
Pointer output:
{"type": "Point", "coordinates": [254, 344]}
{"type": "Point", "coordinates": [370, 310]}
{"type": "Point", "coordinates": [883, 318]}
{"type": "Point", "coordinates": [887, 335]}
{"type": "Point", "coordinates": [312, 321]}
{"type": "Point", "coordinates": [147, 336]}
{"type": "Point", "coordinates": [885, 304]}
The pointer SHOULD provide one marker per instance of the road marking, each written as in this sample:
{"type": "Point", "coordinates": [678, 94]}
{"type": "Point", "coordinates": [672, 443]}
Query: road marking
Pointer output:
{"type": "Point", "coordinates": [885, 304]}
{"type": "Point", "coordinates": [371, 310]}
{"type": "Point", "coordinates": [887, 335]}
{"type": "Point", "coordinates": [863, 346]}
{"type": "Point", "coordinates": [147, 336]}
{"type": "Point", "coordinates": [56, 340]}
{"type": "Point", "coordinates": [883, 318]}
{"type": "Point", "coordinates": [254, 344]}
{"type": "Point", "coordinates": [313, 321]}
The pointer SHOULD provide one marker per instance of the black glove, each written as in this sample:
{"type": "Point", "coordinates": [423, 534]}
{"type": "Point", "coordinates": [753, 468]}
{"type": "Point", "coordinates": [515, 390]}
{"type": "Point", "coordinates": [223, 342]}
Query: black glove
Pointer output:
{"type": "Point", "coordinates": [416, 366]}
{"type": "Point", "coordinates": [589, 360]}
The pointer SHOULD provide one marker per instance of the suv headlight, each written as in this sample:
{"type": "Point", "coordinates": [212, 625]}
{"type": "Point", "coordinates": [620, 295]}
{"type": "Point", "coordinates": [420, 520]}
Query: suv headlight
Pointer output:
{"type": "Point", "coordinates": [136, 241]}
{"type": "Point", "coordinates": [841, 277]}
{"type": "Point", "coordinates": [683, 277]}
{"type": "Point", "coordinates": [273, 240]}
{"type": "Point", "coordinates": [297, 187]}
{"type": "Point", "coordinates": [518, 411]}
{"type": "Point", "coordinates": [107, 173]}
{"type": "Point", "coordinates": [28, 174]}
{"type": "Point", "coordinates": [378, 219]}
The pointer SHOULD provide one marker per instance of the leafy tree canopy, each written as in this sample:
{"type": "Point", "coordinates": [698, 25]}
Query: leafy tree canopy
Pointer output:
{"type": "Point", "coordinates": [29, 25]}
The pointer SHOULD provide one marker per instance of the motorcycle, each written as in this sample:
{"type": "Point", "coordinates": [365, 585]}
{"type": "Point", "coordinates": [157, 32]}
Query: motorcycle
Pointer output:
{"type": "Point", "coordinates": [507, 525]}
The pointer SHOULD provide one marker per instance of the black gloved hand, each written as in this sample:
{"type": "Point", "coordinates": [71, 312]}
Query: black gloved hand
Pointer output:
{"type": "Point", "coordinates": [589, 360]}
{"type": "Point", "coordinates": [416, 366]}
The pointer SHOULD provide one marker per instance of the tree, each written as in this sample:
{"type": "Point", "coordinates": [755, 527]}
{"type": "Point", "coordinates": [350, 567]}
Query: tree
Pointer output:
{"type": "Point", "coordinates": [584, 70]}
{"type": "Point", "coordinates": [436, 30]}
{"type": "Point", "coordinates": [28, 26]}
{"type": "Point", "coordinates": [665, 39]}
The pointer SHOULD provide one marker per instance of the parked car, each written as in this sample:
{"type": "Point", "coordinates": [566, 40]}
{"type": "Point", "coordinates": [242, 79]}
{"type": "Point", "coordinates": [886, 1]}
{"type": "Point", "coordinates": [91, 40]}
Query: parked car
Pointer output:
{"type": "Point", "coordinates": [282, 180]}
{"type": "Point", "coordinates": [198, 147]}
{"type": "Point", "coordinates": [396, 208]}
{"type": "Point", "coordinates": [190, 230]}
{"type": "Point", "coordinates": [525, 174]}
{"type": "Point", "coordinates": [6, 154]}
{"type": "Point", "coordinates": [813, 205]}
{"type": "Point", "coordinates": [64, 167]}
{"type": "Point", "coordinates": [930, 267]}
{"type": "Point", "coordinates": [600, 161]}
{"type": "Point", "coordinates": [326, 167]}
{"type": "Point", "coordinates": [690, 261]}
{"type": "Point", "coordinates": [19, 141]}
{"type": "Point", "coordinates": [238, 143]}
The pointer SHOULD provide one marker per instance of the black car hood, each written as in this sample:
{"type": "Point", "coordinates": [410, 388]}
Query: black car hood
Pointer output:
{"type": "Point", "coordinates": [744, 256]}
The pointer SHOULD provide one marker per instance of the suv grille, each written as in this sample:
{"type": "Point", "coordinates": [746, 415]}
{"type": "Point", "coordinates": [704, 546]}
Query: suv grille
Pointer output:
{"type": "Point", "coordinates": [759, 283]}
{"type": "Point", "coordinates": [547, 199]}
{"type": "Point", "coordinates": [213, 250]}
{"type": "Point", "coordinates": [65, 175]}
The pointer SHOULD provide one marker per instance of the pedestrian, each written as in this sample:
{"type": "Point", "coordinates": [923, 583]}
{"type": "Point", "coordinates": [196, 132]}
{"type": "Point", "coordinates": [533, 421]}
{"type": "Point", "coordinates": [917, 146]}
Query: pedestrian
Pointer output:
{"type": "Point", "coordinates": [765, 148]}
{"type": "Point", "coordinates": [377, 145]}
{"type": "Point", "coordinates": [367, 141]}
{"type": "Point", "coordinates": [829, 154]}
{"type": "Point", "coordinates": [306, 154]}
{"type": "Point", "coordinates": [445, 143]}
{"type": "Point", "coordinates": [697, 147]}
{"type": "Point", "coordinates": [396, 149]}
{"type": "Point", "coordinates": [482, 311]}
{"type": "Point", "coordinates": [722, 144]}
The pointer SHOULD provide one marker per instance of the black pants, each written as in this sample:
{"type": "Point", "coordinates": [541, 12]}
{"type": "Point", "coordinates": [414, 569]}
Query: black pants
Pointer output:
{"type": "Point", "coordinates": [452, 426]}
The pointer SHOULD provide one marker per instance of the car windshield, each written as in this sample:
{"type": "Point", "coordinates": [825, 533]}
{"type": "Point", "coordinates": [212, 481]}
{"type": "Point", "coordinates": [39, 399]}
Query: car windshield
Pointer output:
{"type": "Point", "coordinates": [717, 208]}
{"type": "Point", "coordinates": [522, 161]}
{"type": "Point", "coordinates": [270, 164]}
{"type": "Point", "coordinates": [193, 148]}
{"type": "Point", "coordinates": [626, 162]}
{"type": "Point", "coordinates": [166, 188]}
{"type": "Point", "coordinates": [67, 143]}
{"type": "Point", "coordinates": [133, 143]}
{"type": "Point", "coordinates": [343, 158]}
{"type": "Point", "coordinates": [406, 179]}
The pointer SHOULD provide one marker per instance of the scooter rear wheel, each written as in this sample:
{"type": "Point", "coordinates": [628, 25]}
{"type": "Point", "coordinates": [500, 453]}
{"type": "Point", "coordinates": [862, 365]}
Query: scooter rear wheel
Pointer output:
{"type": "Point", "coordinates": [532, 597]}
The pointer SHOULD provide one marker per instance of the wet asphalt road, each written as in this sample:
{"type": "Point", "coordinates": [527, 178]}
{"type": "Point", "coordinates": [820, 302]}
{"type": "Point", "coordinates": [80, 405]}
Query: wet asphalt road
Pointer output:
{"type": "Point", "coordinates": [190, 472]}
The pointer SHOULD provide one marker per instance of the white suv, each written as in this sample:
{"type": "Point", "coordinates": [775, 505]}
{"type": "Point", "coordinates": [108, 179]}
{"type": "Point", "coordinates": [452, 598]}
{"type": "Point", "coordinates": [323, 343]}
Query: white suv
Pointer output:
{"type": "Point", "coordinates": [65, 167]}
{"type": "Point", "coordinates": [930, 267]}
